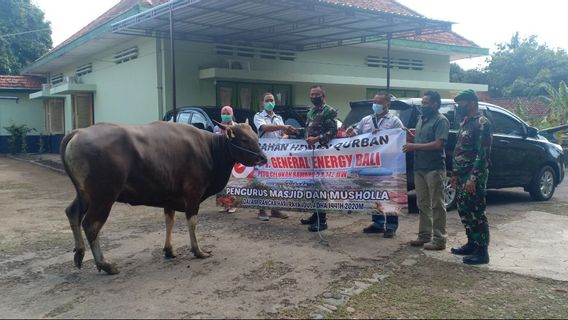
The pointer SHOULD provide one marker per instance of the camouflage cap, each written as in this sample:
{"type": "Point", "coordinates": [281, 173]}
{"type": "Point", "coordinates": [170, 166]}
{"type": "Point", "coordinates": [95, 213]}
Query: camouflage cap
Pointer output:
{"type": "Point", "coordinates": [466, 95]}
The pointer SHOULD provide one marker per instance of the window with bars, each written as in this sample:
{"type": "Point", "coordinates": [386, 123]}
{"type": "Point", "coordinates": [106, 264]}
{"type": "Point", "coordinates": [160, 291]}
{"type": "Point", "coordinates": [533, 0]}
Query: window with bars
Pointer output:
{"type": "Point", "coordinates": [84, 69]}
{"type": "Point", "coordinates": [396, 63]}
{"type": "Point", "coordinates": [55, 79]}
{"type": "Point", "coordinates": [261, 53]}
{"type": "Point", "coordinates": [125, 55]}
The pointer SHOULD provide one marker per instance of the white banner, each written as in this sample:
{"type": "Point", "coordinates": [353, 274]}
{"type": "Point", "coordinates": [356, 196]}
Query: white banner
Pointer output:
{"type": "Point", "coordinates": [362, 173]}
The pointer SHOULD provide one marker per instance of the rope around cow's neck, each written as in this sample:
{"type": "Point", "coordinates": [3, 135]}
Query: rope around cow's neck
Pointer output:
{"type": "Point", "coordinates": [245, 149]}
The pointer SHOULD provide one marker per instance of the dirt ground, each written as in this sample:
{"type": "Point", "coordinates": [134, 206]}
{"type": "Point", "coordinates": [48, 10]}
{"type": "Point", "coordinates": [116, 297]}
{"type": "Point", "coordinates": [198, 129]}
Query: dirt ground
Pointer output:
{"type": "Point", "coordinates": [271, 269]}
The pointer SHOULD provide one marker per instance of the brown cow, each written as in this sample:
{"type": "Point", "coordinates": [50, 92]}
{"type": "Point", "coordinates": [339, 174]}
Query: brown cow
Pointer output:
{"type": "Point", "coordinates": [166, 165]}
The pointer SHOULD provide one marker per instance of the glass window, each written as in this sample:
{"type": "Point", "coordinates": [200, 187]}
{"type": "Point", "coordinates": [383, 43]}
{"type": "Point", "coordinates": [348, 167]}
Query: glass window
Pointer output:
{"type": "Point", "coordinates": [199, 120]}
{"type": "Point", "coordinates": [449, 111]}
{"type": "Point", "coordinates": [503, 124]}
{"type": "Point", "coordinates": [184, 117]}
{"type": "Point", "coordinates": [398, 93]}
{"type": "Point", "coordinates": [248, 96]}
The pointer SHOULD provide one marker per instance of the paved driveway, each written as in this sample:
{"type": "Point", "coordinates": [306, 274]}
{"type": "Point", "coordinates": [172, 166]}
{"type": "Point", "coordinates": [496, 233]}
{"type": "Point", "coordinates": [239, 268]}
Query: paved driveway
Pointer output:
{"type": "Point", "coordinates": [258, 268]}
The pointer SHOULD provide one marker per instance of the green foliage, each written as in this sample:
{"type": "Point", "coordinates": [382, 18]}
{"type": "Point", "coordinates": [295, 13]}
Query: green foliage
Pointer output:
{"type": "Point", "coordinates": [459, 75]}
{"type": "Point", "coordinates": [18, 134]}
{"type": "Point", "coordinates": [24, 35]}
{"type": "Point", "coordinates": [558, 104]}
{"type": "Point", "coordinates": [518, 68]}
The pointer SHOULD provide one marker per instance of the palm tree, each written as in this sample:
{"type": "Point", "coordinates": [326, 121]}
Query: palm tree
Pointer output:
{"type": "Point", "coordinates": [558, 104]}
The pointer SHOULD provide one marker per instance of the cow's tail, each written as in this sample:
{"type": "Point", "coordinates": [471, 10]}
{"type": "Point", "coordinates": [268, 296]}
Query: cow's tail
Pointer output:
{"type": "Point", "coordinates": [78, 207]}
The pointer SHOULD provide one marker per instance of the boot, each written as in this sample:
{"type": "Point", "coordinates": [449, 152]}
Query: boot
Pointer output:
{"type": "Point", "coordinates": [311, 220]}
{"type": "Point", "coordinates": [479, 256]}
{"type": "Point", "coordinates": [319, 225]}
{"type": "Point", "coordinates": [467, 249]}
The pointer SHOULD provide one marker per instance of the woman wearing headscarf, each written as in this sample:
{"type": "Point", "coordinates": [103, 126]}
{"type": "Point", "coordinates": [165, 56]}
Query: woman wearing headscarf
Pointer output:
{"type": "Point", "coordinates": [227, 120]}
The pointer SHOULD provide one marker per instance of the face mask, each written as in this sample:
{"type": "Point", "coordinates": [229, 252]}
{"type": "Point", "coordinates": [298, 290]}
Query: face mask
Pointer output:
{"type": "Point", "coordinates": [378, 108]}
{"type": "Point", "coordinates": [427, 111]}
{"type": "Point", "coordinates": [317, 101]}
{"type": "Point", "coordinates": [269, 106]}
{"type": "Point", "coordinates": [226, 117]}
{"type": "Point", "coordinates": [461, 112]}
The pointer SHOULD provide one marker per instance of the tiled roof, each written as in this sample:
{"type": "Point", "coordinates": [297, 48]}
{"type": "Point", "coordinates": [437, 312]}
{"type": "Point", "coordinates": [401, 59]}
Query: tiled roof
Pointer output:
{"type": "Point", "coordinates": [390, 6]}
{"type": "Point", "coordinates": [449, 38]}
{"type": "Point", "coordinates": [535, 107]}
{"type": "Point", "coordinates": [21, 82]}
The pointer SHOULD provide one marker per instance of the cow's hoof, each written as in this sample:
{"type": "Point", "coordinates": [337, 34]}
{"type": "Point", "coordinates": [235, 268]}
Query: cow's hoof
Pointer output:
{"type": "Point", "coordinates": [109, 268]}
{"type": "Point", "coordinates": [201, 254]}
{"type": "Point", "coordinates": [78, 259]}
{"type": "Point", "coordinates": [169, 253]}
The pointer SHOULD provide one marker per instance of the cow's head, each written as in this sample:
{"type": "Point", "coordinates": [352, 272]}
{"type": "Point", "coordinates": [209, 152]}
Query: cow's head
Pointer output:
{"type": "Point", "coordinates": [244, 145]}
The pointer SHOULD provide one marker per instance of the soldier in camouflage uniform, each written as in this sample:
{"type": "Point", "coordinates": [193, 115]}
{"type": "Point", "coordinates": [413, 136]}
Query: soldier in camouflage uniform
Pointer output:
{"type": "Point", "coordinates": [321, 127]}
{"type": "Point", "coordinates": [470, 171]}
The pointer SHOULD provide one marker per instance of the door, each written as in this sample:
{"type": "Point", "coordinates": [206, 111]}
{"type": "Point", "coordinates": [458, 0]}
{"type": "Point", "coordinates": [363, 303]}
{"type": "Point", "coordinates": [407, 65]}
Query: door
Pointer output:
{"type": "Point", "coordinates": [511, 155]}
{"type": "Point", "coordinates": [54, 115]}
{"type": "Point", "coordinates": [82, 110]}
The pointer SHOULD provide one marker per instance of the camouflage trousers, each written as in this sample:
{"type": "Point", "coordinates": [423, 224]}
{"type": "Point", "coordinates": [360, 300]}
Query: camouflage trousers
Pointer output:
{"type": "Point", "coordinates": [471, 208]}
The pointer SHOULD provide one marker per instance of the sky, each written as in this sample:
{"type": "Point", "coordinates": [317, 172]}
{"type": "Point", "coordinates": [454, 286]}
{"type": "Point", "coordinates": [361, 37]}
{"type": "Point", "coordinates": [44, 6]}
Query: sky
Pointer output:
{"type": "Point", "coordinates": [485, 22]}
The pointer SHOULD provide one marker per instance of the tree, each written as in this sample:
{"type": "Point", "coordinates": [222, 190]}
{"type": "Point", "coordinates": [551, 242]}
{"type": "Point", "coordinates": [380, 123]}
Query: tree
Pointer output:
{"type": "Point", "coordinates": [519, 68]}
{"type": "Point", "coordinates": [457, 74]}
{"type": "Point", "coordinates": [558, 104]}
{"type": "Point", "coordinates": [24, 35]}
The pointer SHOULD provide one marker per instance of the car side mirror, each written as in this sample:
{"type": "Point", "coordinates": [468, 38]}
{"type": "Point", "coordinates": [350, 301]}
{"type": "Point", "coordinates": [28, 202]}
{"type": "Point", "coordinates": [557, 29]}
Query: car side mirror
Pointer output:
{"type": "Point", "coordinates": [532, 131]}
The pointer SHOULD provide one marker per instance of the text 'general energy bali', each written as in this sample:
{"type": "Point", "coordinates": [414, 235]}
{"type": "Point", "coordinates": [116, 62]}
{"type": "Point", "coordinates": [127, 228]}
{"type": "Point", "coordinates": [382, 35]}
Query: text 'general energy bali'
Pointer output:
{"type": "Point", "coordinates": [372, 159]}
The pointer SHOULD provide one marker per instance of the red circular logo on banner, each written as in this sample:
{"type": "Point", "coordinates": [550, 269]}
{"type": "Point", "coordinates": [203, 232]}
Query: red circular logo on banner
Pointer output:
{"type": "Point", "coordinates": [242, 171]}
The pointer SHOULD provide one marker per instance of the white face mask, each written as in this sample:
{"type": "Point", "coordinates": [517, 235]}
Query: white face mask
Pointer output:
{"type": "Point", "coordinates": [378, 108]}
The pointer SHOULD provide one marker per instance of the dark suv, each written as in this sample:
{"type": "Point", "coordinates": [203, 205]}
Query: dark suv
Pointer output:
{"type": "Point", "coordinates": [202, 117]}
{"type": "Point", "coordinates": [520, 157]}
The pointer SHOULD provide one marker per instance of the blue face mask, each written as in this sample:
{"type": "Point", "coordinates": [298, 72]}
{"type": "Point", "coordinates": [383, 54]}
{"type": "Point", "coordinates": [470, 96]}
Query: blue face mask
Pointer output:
{"type": "Point", "coordinates": [269, 106]}
{"type": "Point", "coordinates": [378, 108]}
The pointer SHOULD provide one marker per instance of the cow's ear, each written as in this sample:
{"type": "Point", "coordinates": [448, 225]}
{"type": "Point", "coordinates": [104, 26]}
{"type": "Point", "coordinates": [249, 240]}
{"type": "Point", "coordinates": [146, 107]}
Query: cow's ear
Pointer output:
{"type": "Point", "coordinates": [229, 132]}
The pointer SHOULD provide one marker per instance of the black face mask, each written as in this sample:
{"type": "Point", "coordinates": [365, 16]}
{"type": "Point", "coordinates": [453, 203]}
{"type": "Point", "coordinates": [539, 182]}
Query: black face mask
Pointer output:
{"type": "Point", "coordinates": [461, 112]}
{"type": "Point", "coordinates": [427, 111]}
{"type": "Point", "coordinates": [317, 101]}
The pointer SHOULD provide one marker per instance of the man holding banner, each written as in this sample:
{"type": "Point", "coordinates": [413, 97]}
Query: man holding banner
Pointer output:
{"type": "Point", "coordinates": [321, 127]}
{"type": "Point", "coordinates": [271, 125]}
{"type": "Point", "coordinates": [430, 173]}
{"type": "Point", "coordinates": [381, 119]}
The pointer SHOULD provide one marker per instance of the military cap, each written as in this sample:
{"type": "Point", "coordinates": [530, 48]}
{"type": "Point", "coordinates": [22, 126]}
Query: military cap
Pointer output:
{"type": "Point", "coordinates": [466, 95]}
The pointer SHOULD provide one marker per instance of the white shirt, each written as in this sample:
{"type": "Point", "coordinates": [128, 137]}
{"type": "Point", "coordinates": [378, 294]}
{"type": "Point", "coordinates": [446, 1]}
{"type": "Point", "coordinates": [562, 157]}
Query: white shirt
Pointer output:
{"type": "Point", "coordinates": [388, 121]}
{"type": "Point", "coordinates": [262, 118]}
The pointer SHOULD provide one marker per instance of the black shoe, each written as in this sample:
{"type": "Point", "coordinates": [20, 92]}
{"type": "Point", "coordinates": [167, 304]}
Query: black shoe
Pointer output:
{"type": "Point", "coordinates": [479, 256]}
{"type": "Point", "coordinates": [373, 229]}
{"type": "Point", "coordinates": [389, 233]}
{"type": "Point", "coordinates": [315, 228]}
{"type": "Point", "coordinates": [464, 250]}
{"type": "Point", "coordinates": [311, 220]}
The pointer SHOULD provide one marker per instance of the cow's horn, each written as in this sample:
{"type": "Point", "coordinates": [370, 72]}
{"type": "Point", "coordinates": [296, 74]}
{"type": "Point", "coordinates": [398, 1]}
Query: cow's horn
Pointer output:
{"type": "Point", "coordinates": [247, 121]}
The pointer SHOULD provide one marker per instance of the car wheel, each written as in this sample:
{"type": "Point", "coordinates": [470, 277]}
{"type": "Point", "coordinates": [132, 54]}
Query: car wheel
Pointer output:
{"type": "Point", "coordinates": [542, 188]}
{"type": "Point", "coordinates": [449, 193]}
